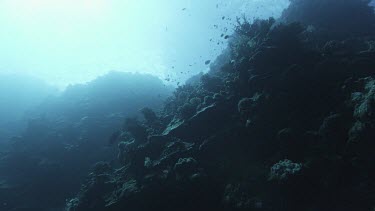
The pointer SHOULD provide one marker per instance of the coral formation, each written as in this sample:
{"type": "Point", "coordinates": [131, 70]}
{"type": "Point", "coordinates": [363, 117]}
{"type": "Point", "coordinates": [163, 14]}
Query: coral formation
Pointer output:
{"type": "Point", "coordinates": [283, 121]}
{"type": "Point", "coordinates": [70, 132]}
{"type": "Point", "coordinates": [300, 88]}
{"type": "Point", "coordinates": [284, 169]}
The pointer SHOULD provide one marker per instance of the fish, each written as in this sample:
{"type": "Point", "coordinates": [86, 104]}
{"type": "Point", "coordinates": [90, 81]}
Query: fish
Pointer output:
{"type": "Point", "coordinates": [207, 62]}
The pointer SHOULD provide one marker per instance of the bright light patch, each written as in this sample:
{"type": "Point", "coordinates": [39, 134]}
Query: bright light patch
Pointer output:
{"type": "Point", "coordinates": [56, 11]}
{"type": "Point", "coordinates": [73, 41]}
{"type": "Point", "coordinates": [35, 7]}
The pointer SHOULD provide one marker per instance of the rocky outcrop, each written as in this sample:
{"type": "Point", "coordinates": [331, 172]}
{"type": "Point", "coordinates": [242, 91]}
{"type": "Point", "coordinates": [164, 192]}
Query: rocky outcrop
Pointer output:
{"type": "Point", "coordinates": [68, 134]}
{"type": "Point", "coordinates": [285, 122]}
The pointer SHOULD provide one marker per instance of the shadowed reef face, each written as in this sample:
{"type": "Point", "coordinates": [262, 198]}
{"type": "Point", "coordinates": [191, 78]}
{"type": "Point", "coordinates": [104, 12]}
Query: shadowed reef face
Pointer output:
{"type": "Point", "coordinates": [63, 135]}
{"type": "Point", "coordinates": [345, 18]}
{"type": "Point", "coordinates": [283, 121]}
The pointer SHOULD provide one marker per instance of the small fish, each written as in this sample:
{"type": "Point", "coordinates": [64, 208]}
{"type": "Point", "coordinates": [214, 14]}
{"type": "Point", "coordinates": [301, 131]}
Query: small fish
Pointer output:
{"type": "Point", "coordinates": [222, 18]}
{"type": "Point", "coordinates": [207, 62]}
{"type": "Point", "coordinates": [183, 9]}
{"type": "Point", "coordinates": [226, 37]}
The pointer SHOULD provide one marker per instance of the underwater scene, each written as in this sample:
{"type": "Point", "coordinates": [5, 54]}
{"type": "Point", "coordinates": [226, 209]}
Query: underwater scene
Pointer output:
{"type": "Point", "coordinates": [188, 105]}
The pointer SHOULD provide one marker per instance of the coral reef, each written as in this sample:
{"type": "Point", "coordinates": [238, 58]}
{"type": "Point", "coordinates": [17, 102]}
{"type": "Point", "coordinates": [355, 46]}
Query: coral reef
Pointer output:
{"type": "Point", "coordinates": [284, 169]}
{"type": "Point", "coordinates": [321, 15]}
{"type": "Point", "coordinates": [67, 134]}
{"type": "Point", "coordinates": [284, 120]}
